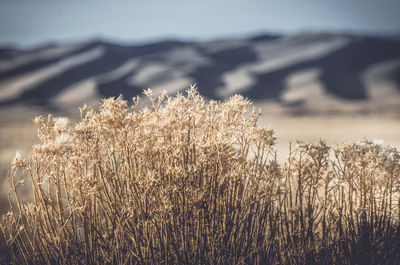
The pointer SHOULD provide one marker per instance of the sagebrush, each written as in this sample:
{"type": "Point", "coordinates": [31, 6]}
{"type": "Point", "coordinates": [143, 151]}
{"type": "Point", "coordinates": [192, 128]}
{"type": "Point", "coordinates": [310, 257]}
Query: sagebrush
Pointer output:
{"type": "Point", "coordinates": [193, 182]}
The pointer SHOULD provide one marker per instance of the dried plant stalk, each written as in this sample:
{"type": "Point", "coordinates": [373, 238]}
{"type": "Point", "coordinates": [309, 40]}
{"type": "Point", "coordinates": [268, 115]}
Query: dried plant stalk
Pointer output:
{"type": "Point", "coordinates": [192, 182]}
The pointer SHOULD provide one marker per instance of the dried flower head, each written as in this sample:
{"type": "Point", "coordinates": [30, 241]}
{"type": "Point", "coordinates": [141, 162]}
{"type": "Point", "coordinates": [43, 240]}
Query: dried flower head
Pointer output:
{"type": "Point", "coordinates": [18, 161]}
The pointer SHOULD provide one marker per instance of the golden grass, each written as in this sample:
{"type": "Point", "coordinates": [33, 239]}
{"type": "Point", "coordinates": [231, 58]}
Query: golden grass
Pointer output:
{"type": "Point", "coordinates": [191, 182]}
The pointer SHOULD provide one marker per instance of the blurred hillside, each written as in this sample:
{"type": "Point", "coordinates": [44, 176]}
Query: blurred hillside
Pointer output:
{"type": "Point", "coordinates": [301, 74]}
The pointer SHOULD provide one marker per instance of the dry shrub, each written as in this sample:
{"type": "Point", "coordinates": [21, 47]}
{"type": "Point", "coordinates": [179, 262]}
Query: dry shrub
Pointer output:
{"type": "Point", "coordinates": [191, 182]}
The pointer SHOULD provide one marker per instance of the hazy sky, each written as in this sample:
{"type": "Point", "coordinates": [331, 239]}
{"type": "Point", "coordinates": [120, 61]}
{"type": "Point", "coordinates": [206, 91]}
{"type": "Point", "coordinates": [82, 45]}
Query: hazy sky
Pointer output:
{"type": "Point", "coordinates": [33, 22]}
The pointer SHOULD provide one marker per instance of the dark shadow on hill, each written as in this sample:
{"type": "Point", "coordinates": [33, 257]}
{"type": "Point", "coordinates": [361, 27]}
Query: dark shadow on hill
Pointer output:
{"type": "Point", "coordinates": [209, 78]}
{"type": "Point", "coordinates": [113, 57]}
{"type": "Point", "coordinates": [118, 87]}
{"type": "Point", "coordinates": [341, 70]}
{"type": "Point", "coordinates": [43, 62]}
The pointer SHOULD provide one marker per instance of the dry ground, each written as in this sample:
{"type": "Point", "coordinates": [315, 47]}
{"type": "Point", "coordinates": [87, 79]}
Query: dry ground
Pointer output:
{"type": "Point", "coordinates": [333, 130]}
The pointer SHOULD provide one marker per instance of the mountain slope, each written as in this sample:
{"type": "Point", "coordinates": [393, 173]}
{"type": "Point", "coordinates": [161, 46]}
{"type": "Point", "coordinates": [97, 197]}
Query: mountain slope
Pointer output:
{"type": "Point", "coordinates": [294, 71]}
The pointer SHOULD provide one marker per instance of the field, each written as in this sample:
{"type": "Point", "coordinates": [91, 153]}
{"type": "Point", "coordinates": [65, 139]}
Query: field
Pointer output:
{"type": "Point", "coordinates": [333, 130]}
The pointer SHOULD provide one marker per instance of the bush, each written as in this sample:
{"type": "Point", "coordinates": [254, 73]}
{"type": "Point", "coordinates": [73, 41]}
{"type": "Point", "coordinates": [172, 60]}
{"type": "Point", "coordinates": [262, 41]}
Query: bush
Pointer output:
{"type": "Point", "coordinates": [192, 182]}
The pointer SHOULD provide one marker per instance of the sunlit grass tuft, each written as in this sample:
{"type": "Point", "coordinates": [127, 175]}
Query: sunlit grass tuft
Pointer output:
{"type": "Point", "coordinates": [194, 182]}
